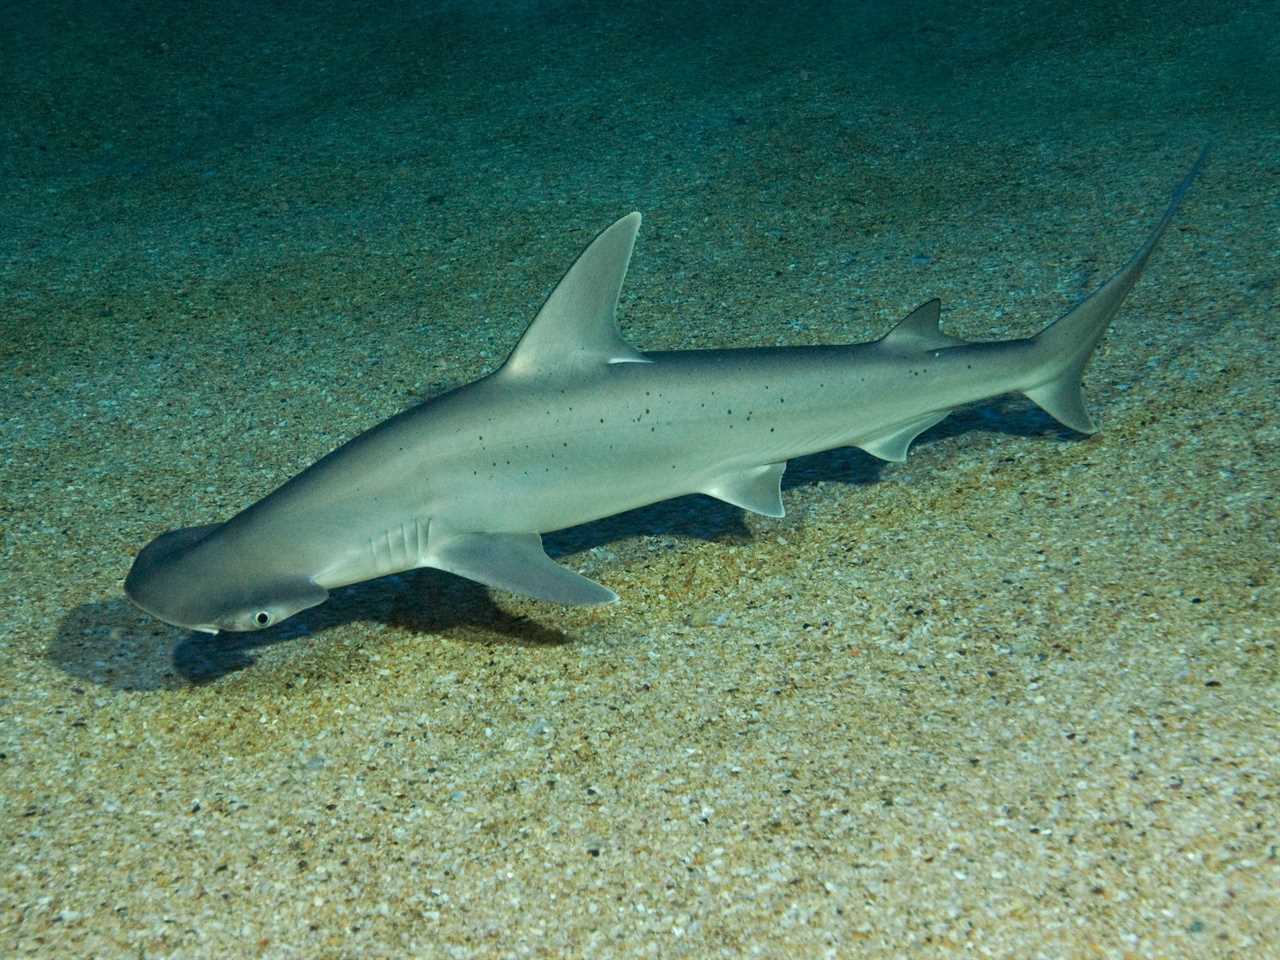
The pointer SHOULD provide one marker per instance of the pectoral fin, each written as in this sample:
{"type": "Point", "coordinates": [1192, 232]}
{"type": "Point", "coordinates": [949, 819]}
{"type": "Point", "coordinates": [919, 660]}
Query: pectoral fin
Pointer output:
{"type": "Point", "coordinates": [514, 562]}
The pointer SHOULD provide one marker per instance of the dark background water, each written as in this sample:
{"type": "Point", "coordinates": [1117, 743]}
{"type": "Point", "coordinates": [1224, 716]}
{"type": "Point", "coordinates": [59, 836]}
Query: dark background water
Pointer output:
{"type": "Point", "coordinates": [520, 102]}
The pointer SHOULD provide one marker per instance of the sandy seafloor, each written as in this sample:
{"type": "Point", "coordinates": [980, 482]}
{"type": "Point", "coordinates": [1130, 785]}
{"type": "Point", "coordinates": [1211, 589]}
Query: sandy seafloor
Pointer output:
{"type": "Point", "coordinates": [1015, 697]}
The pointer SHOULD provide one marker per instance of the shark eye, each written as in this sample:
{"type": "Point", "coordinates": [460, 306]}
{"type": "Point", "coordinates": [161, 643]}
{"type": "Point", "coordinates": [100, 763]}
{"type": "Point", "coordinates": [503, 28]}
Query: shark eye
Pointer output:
{"type": "Point", "coordinates": [262, 618]}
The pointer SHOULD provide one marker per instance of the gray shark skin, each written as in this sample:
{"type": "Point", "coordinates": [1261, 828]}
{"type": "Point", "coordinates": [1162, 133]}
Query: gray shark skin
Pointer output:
{"type": "Point", "coordinates": [577, 425]}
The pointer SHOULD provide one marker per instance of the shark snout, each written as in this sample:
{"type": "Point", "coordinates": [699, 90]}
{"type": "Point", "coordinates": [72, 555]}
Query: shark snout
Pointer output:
{"type": "Point", "coordinates": [200, 578]}
{"type": "Point", "coordinates": [157, 584]}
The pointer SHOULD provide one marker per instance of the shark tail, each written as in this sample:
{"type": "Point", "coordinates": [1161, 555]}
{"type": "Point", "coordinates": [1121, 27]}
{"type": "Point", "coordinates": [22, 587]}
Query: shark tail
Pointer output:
{"type": "Point", "coordinates": [1065, 346]}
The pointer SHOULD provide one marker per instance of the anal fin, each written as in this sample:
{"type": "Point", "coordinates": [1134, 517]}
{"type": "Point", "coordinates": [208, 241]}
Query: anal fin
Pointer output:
{"type": "Point", "coordinates": [758, 489]}
{"type": "Point", "coordinates": [894, 443]}
{"type": "Point", "coordinates": [514, 562]}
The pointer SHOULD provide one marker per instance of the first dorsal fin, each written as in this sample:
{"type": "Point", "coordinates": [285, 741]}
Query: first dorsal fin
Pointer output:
{"type": "Point", "coordinates": [918, 330]}
{"type": "Point", "coordinates": [577, 326]}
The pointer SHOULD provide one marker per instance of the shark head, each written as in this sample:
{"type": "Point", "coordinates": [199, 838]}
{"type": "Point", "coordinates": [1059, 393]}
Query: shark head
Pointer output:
{"type": "Point", "coordinates": [190, 578]}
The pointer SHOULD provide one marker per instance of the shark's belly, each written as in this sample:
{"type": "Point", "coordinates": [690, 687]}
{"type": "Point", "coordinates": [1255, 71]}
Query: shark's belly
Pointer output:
{"type": "Point", "coordinates": [537, 477]}
{"type": "Point", "coordinates": [551, 487]}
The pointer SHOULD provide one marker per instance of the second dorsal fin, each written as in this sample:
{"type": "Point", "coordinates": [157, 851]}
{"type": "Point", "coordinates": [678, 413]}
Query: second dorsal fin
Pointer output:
{"type": "Point", "coordinates": [918, 330]}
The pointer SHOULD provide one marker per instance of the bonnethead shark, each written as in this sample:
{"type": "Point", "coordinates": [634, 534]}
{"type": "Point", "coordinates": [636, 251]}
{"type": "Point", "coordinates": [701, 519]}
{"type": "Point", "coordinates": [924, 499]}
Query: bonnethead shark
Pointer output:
{"type": "Point", "coordinates": [577, 424]}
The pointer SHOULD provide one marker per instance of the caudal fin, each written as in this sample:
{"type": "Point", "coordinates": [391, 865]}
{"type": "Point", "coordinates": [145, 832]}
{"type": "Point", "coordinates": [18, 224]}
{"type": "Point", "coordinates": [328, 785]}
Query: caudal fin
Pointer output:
{"type": "Point", "coordinates": [1065, 346]}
